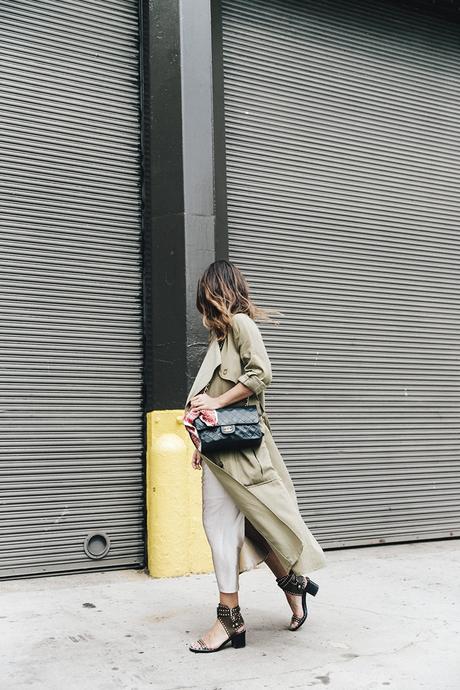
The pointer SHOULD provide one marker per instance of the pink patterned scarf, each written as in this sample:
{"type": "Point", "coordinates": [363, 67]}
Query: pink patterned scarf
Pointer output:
{"type": "Point", "coordinates": [209, 417]}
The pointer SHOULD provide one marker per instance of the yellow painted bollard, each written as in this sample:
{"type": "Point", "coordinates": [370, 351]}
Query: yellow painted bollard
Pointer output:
{"type": "Point", "coordinates": [176, 542]}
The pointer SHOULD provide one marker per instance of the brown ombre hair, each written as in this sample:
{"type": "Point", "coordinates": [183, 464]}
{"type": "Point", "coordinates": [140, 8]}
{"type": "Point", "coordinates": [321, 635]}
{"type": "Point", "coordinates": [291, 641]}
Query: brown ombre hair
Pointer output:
{"type": "Point", "coordinates": [223, 291]}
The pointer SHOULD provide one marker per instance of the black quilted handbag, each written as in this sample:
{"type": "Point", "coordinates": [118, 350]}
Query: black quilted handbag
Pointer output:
{"type": "Point", "coordinates": [237, 427]}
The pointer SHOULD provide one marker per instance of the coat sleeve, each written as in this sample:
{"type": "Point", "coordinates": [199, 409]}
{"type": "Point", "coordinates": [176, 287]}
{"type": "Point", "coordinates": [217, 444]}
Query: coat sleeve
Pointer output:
{"type": "Point", "coordinates": [248, 339]}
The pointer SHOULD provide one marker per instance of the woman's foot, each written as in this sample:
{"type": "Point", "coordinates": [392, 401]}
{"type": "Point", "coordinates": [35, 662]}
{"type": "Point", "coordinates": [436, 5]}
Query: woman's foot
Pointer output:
{"type": "Point", "coordinates": [228, 626]}
{"type": "Point", "coordinates": [214, 637]}
{"type": "Point", "coordinates": [296, 587]}
{"type": "Point", "coordinates": [295, 602]}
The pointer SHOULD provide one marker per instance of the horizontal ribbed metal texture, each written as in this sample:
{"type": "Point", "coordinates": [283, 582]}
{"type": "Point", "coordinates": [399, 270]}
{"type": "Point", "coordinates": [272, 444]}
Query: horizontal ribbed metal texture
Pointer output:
{"type": "Point", "coordinates": [342, 144]}
{"type": "Point", "coordinates": [70, 285]}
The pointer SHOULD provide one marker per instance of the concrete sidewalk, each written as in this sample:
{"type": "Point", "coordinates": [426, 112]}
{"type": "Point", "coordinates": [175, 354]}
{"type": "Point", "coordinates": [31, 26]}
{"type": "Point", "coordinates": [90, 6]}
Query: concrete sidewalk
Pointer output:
{"type": "Point", "coordinates": [385, 617]}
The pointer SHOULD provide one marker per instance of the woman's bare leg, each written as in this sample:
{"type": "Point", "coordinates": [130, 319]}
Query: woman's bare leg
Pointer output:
{"type": "Point", "coordinates": [275, 565]}
{"type": "Point", "coordinates": [229, 599]}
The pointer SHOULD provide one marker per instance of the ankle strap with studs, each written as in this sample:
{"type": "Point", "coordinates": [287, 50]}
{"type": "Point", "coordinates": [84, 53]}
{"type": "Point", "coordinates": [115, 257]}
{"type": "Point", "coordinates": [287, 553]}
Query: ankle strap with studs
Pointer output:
{"type": "Point", "coordinates": [231, 619]}
{"type": "Point", "coordinates": [292, 583]}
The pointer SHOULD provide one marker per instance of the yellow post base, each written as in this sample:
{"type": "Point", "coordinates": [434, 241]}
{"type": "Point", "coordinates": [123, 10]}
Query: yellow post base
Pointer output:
{"type": "Point", "coordinates": [176, 541]}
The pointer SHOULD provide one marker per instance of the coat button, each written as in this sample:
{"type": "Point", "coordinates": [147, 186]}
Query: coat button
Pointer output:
{"type": "Point", "coordinates": [224, 371]}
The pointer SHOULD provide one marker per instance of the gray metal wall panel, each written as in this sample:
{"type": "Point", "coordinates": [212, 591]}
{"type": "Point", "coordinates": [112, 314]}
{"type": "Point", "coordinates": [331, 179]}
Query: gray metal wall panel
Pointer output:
{"type": "Point", "coordinates": [71, 422]}
{"type": "Point", "coordinates": [342, 142]}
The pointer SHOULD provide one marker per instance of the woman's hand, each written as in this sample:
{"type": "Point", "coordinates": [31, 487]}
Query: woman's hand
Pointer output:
{"type": "Point", "coordinates": [196, 460]}
{"type": "Point", "coordinates": [203, 401]}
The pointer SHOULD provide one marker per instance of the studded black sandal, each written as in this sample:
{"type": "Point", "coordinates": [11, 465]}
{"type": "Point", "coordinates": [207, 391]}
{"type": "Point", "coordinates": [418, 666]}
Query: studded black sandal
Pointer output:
{"type": "Point", "coordinates": [231, 620]}
{"type": "Point", "coordinates": [299, 586]}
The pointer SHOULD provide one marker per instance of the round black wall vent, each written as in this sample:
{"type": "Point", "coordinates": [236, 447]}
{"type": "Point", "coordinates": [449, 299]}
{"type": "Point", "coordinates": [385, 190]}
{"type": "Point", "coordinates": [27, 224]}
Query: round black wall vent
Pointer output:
{"type": "Point", "coordinates": [97, 545]}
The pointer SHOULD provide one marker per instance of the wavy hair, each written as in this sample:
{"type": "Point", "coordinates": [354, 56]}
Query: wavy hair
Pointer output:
{"type": "Point", "coordinates": [223, 291]}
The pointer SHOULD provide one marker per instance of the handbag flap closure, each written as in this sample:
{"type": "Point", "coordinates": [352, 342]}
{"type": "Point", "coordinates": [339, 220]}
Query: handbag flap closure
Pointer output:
{"type": "Point", "coordinates": [237, 414]}
{"type": "Point", "coordinates": [230, 416]}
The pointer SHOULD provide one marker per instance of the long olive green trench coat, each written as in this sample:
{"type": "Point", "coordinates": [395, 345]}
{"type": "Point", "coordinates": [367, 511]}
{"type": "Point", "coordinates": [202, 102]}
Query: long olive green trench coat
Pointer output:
{"type": "Point", "coordinates": [257, 479]}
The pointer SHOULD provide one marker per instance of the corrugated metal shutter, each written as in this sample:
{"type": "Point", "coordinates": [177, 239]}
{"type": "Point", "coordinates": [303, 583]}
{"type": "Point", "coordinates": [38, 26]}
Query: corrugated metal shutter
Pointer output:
{"type": "Point", "coordinates": [342, 142]}
{"type": "Point", "coordinates": [71, 428]}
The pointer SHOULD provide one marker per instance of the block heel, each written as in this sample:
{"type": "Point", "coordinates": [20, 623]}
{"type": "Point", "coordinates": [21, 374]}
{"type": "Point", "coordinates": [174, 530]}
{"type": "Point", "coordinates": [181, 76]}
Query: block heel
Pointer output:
{"type": "Point", "coordinates": [312, 588]}
{"type": "Point", "coordinates": [239, 640]}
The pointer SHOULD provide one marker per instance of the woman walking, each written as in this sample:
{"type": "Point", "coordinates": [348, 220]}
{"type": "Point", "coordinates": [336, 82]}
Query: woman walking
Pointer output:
{"type": "Point", "coordinates": [250, 509]}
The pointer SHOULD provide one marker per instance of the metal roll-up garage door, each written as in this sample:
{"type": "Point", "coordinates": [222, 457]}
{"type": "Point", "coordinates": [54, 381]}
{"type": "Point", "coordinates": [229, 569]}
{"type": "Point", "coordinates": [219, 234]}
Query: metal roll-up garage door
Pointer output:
{"type": "Point", "coordinates": [71, 423]}
{"type": "Point", "coordinates": [342, 124]}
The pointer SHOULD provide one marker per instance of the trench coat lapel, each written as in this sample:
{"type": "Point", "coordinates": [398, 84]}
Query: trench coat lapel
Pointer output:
{"type": "Point", "coordinates": [212, 359]}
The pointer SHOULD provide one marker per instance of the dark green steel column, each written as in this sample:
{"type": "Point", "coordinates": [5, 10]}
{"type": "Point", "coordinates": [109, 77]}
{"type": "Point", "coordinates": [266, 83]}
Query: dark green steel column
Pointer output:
{"type": "Point", "coordinates": [180, 230]}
